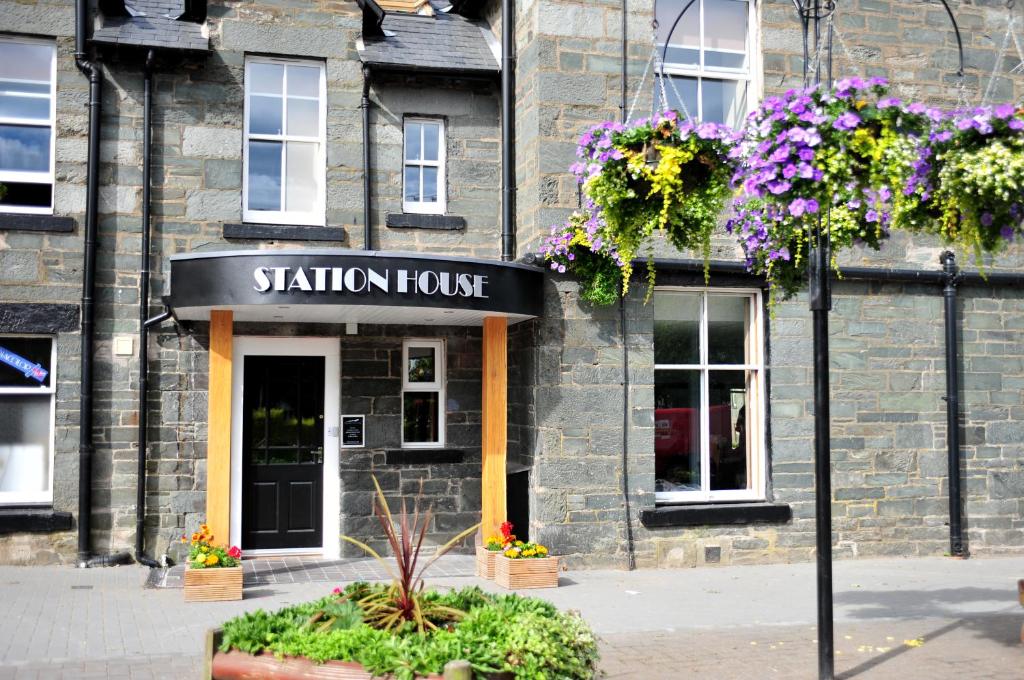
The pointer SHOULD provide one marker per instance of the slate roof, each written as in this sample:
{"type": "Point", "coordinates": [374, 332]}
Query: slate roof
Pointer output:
{"type": "Point", "coordinates": [156, 24]}
{"type": "Point", "coordinates": [443, 42]}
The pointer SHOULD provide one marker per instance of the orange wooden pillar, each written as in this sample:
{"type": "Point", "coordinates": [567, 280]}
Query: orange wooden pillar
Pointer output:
{"type": "Point", "coordinates": [495, 423]}
{"type": "Point", "coordinates": [218, 439]}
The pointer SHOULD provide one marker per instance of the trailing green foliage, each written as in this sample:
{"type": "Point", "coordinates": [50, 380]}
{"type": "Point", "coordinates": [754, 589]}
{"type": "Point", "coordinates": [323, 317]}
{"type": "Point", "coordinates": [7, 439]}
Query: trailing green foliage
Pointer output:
{"type": "Point", "coordinates": [525, 636]}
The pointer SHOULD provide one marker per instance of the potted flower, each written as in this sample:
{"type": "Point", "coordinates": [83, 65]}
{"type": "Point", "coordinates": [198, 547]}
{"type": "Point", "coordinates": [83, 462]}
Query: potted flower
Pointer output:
{"type": "Point", "coordinates": [577, 248]}
{"type": "Point", "coordinates": [212, 572]}
{"type": "Point", "coordinates": [966, 181]}
{"type": "Point", "coordinates": [491, 548]}
{"type": "Point", "coordinates": [526, 565]}
{"type": "Point", "coordinates": [839, 156]}
{"type": "Point", "coordinates": [661, 174]}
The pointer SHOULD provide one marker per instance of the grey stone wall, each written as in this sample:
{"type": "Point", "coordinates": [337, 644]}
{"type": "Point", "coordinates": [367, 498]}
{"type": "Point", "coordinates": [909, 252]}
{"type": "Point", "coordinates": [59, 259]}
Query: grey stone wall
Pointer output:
{"type": "Point", "coordinates": [371, 383]}
{"type": "Point", "coordinates": [888, 361]}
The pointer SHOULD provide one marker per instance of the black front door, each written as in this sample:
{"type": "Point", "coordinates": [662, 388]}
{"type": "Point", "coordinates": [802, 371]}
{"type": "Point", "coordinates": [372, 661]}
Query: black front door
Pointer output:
{"type": "Point", "coordinates": [282, 452]}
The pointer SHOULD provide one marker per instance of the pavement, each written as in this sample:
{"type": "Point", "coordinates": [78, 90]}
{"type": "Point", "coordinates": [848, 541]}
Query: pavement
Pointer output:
{"type": "Point", "coordinates": [909, 619]}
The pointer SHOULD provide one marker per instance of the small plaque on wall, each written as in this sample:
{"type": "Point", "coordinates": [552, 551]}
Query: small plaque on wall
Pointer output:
{"type": "Point", "coordinates": [353, 432]}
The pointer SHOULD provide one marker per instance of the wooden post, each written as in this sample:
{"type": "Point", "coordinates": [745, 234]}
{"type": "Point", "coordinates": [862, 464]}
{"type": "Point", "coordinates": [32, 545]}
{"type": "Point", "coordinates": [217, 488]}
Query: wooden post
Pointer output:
{"type": "Point", "coordinates": [495, 425]}
{"type": "Point", "coordinates": [218, 439]}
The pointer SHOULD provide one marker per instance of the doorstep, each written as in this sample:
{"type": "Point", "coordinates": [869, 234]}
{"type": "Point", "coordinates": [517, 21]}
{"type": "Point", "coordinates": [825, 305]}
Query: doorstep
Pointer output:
{"type": "Point", "coordinates": [262, 571]}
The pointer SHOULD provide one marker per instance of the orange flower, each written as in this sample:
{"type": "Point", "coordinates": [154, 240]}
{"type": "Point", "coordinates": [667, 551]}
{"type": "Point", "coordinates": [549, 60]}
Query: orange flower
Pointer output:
{"type": "Point", "coordinates": [195, 538]}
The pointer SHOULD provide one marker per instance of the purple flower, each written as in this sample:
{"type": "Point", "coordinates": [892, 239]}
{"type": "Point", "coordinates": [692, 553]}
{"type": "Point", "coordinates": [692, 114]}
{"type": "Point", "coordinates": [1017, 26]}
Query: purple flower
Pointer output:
{"type": "Point", "coordinates": [806, 154]}
{"type": "Point", "coordinates": [1007, 233]}
{"type": "Point", "coordinates": [1015, 124]}
{"type": "Point", "coordinates": [942, 136]}
{"type": "Point", "coordinates": [917, 108]}
{"type": "Point", "coordinates": [889, 102]}
{"type": "Point", "coordinates": [986, 219]}
{"type": "Point", "coordinates": [798, 207]}
{"type": "Point", "coordinates": [871, 216]}
{"type": "Point", "coordinates": [878, 81]}
{"type": "Point", "coordinates": [812, 206]}
{"type": "Point", "coordinates": [1003, 111]}
{"type": "Point", "coordinates": [707, 131]}
{"type": "Point", "coordinates": [789, 171]}
{"type": "Point", "coordinates": [778, 187]}
{"type": "Point", "coordinates": [846, 121]}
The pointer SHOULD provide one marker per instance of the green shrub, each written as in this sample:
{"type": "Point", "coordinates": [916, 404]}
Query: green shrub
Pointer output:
{"type": "Point", "coordinates": [526, 636]}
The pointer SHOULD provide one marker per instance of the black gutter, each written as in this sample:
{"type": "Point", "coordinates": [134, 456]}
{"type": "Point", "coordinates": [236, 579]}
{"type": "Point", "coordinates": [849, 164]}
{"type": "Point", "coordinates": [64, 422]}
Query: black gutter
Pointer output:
{"type": "Point", "coordinates": [956, 538]}
{"type": "Point", "coordinates": [144, 272]}
{"type": "Point", "coordinates": [508, 133]}
{"type": "Point", "coordinates": [86, 448]}
{"type": "Point", "coordinates": [630, 552]}
{"type": "Point", "coordinates": [364, 104]}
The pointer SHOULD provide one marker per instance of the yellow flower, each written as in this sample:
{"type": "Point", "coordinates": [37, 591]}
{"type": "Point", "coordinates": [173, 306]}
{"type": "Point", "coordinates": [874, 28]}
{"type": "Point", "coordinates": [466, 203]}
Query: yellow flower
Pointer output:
{"type": "Point", "coordinates": [542, 550]}
{"type": "Point", "coordinates": [212, 560]}
{"type": "Point", "coordinates": [199, 559]}
{"type": "Point", "coordinates": [204, 548]}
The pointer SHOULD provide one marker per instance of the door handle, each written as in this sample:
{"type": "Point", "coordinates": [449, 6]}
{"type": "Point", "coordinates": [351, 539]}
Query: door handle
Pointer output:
{"type": "Point", "coordinates": [318, 455]}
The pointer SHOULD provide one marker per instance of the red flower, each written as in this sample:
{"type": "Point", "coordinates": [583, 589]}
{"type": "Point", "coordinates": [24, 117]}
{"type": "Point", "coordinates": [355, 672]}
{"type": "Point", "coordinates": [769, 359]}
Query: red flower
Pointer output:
{"type": "Point", "coordinates": [336, 591]}
{"type": "Point", "coordinates": [506, 530]}
{"type": "Point", "coordinates": [235, 552]}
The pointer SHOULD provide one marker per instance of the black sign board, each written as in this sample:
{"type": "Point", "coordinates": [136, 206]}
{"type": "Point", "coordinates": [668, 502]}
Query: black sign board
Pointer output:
{"type": "Point", "coordinates": [353, 431]}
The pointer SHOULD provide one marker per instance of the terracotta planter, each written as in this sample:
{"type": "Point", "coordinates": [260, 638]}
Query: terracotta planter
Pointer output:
{"type": "Point", "coordinates": [209, 585]}
{"type": "Point", "coordinates": [485, 562]}
{"type": "Point", "coordinates": [533, 572]}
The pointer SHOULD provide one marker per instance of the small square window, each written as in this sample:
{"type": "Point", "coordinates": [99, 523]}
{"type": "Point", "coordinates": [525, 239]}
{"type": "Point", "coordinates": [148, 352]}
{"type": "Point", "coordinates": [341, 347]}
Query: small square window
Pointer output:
{"type": "Point", "coordinates": [423, 173]}
{"type": "Point", "coordinates": [423, 404]}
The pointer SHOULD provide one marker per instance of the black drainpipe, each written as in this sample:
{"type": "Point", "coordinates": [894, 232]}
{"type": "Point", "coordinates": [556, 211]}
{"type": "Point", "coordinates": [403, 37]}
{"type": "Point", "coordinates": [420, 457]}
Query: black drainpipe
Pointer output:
{"type": "Point", "coordinates": [364, 104]}
{"type": "Point", "coordinates": [508, 133]}
{"type": "Point", "coordinates": [630, 553]}
{"type": "Point", "coordinates": [86, 448]}
{"type": "Point", "coordinates": [144, 323]}
{"type": "Point", "coordinates": [952, 276]}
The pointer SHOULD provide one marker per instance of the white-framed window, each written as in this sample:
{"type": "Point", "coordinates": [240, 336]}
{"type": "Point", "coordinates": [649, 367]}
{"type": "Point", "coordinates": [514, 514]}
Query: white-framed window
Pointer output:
{"type": "Point", "coordinates": [708, 395]}
{"type": "Point", "coordinates": [423, 176]}
{"type": "Point", "coordinates": [423, 403]}
{"type": "Point", "coordinates": [708, 61]}
{"type": "Point", "coordinates": [28, 77]}
{"type": "Point", "coordinates": [27, 388]}
{"type": "Point", "coordinates": [285, 157]}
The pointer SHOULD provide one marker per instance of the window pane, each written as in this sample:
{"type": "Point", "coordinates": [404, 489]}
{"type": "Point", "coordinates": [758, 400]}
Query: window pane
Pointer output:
{"type": "Point", "coordinates": [265, 115]}
{"type": "Point", "coordinates": [25, 61]}
{"type": "Point", "coordinates": [304, 80]}
{"type": "Point", "coordinates": [25, 443]}
{"type": "Point", "coordinates": [430, 188]}
{"type": "Point", "coordinates": [727, 329]}
{"type": "Point", "coordinates": [302, 185]}
{"type": "Point", "coordinates": [419, 417]}
{"type": "Point", "coordinates": [687, 31]}
{"type": "Point", "coordinates": [730, 60]}
{"type": "Point", "coordinates": [431, 137]}
{"type": "Point", "coordinates": [21, 356]}
{"type": "Point", "coordinates": [31, 108]}
{"type": "Point", "coordinates": [412, 141]}
{"type": "Point", "coordinates": [681, 91]}
{"type": "Point", "coordinates": [27, 194]}
{"type": "Point", "coordinates": [304, 117]}
{"type": "Point", "coordinates": [265, 78]}
{"type": "Point", "coordinates": [725, 25]}
{"type": "Point", "coordinates": [730, 454]}
{"type": "Point", "coordinates": [676, 328]}
{"type": "Point", "coordinates": [24, 148]}
{"type": "Point", "coordinates": [264, 175]}
{"type": "Point", "coordinates": [421, 365]}
{"type": "Point", "coordinates": [412, 184]}
{"type": "Point", "coordinates": [677, 431]}
{"type": "Point", "coordinates": [725, 101]}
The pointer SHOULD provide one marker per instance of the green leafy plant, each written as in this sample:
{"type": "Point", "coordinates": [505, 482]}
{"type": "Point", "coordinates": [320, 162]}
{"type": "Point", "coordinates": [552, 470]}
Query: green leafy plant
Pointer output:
{"type": "Point", "coordinates": [526, 637]}
{"type": "Point", "coordinates": [521, 550]}
{"type": "Point", "coordinates": [203, 554]}
{"type": "Point", "coordinates": [660, 174]}
{"type": "Point", "coordinates": [575, 247]}
{"type": "Point", "coordinates": [402, 601]}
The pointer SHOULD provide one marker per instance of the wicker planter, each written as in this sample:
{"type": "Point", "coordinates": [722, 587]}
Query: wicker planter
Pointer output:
{"type": "Point", "coordinates": [485, 562]}
{"type": "Point", "coordinates": [208, 585]}
{"type": "Point", "coordinates": [533, 572]}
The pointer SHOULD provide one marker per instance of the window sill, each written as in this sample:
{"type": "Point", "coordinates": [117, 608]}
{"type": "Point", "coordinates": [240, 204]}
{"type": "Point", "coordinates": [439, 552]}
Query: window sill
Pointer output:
{"type": "Point", "coordinates": [423, 221]}
{"type": "Point", "coordinates": [423, 456]}
{"type": "Point", "coordinates": [30, 222]}
{"type": "Point", "coordinates": [716, 513]}
{"type": "Point", "coordinates": [22, 519]}
{"type": "Point", "coordinates": [284, 232]}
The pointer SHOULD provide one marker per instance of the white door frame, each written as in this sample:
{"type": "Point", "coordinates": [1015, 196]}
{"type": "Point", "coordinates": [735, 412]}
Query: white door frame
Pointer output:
{"type": "Point", "coordinates": [329, 349]}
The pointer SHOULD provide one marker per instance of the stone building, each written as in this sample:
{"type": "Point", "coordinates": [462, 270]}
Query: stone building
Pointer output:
{"type": "Point", "coordinates": [331, 293]}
